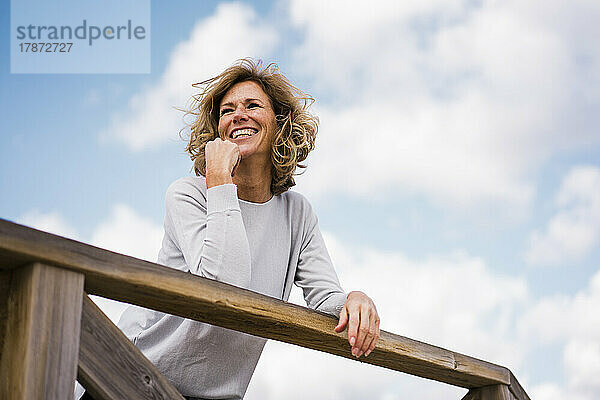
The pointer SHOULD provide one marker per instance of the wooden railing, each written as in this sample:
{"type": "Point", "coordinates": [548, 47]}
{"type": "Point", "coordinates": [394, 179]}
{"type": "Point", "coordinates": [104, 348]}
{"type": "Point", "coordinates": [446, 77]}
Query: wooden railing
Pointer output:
{"type": "Point", "coordinates": [51, 332]}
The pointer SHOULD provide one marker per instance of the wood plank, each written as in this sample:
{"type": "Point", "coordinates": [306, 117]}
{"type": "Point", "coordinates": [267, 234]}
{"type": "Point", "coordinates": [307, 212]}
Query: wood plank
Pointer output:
{"type": "Point", "coordinates": [516, 389]}
{"type": "Point", "coordinates": [495, 392]}
{"type": "Point", "coordinates": [128, 279]}
{"type": "Point", "coordinates": [4, 287]}
{"type": "Point", "coordinates": [471, 395]}
{"type": "Point", "coordinates": [111, 367]}
{"type": "Point", "coordinates": [41, 346]}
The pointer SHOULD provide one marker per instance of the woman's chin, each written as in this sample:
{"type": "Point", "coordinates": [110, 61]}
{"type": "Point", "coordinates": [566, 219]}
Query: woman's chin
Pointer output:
{"type": "Point", "coordinates": [245, 151]}
{"type": "Point", "coordinates": [250, 152]}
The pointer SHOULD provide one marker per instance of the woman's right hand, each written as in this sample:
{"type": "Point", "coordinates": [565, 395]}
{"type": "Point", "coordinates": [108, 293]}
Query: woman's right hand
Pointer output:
{"type": "Point", "coordinates": [222, 157]}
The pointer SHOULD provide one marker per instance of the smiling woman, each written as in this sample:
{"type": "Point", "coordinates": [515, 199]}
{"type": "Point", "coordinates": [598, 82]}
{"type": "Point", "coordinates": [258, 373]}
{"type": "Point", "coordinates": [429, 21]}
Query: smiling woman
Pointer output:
{"type": "Point", "coordinates": [237, 222]}
{"type": "Point", "coordinates": [296, 129]}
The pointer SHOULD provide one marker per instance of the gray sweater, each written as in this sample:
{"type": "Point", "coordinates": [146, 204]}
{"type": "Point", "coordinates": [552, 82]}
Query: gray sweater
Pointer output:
{"type": "Point", "coordinates": [262, 247]}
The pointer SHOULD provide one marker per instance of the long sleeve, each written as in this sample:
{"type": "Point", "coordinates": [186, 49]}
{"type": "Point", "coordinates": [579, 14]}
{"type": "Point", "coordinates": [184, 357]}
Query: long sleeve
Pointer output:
{"type": "Point", "coordinates": [208, 229]}
{"type": "Point", "coordinates": [315, 274]}
{"type": "Point", "coordinates": [214, 234]}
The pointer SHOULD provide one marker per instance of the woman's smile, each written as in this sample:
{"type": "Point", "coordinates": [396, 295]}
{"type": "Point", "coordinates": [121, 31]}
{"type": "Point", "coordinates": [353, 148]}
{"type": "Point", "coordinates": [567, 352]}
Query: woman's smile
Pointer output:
{"type": "Point", "coordinates": [242, 133]}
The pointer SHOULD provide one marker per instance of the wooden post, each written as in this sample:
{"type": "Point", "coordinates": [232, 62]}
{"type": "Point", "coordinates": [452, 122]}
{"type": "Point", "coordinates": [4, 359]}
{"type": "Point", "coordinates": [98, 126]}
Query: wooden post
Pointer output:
{"type": "Point", "coordinates": [4, 286]}
{"type": "Point", "coordinates": [495, 392]}
{"type": "Point", "coordinates": [41, 344]}
{"type": "Point", "coordinates": [111, 367]}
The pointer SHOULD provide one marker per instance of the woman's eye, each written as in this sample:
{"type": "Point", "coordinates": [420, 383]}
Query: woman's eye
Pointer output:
{"type": "Point", "coordinates": [225, 111]}
{"type": "Point", "coordinates": [253, 105]}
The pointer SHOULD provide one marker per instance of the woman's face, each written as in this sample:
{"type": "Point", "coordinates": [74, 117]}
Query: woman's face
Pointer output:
{"type": "Point", "coordinates": [247, 119]}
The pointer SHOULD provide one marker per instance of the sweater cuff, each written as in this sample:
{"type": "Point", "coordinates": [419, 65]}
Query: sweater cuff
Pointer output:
{"type": "Point", "coordinates": [339, 304]}
{"type": "Point", "coordinates": [221, 198]}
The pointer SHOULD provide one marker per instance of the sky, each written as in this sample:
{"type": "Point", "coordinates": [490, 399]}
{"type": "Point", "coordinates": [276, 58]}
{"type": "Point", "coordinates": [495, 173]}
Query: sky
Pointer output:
{"type": "Point", "coordinates": [456, 174]}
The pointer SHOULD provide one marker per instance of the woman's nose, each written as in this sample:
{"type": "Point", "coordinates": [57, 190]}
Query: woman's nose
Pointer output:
{"type": "Point", "coordinates": [240, 114]}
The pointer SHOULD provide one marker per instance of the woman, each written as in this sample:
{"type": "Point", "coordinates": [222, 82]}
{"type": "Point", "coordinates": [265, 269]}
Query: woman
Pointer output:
{"type": "Point", "coordinates": [236, 222]}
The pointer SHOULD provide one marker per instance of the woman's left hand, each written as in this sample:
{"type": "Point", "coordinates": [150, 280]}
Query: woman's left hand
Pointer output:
{"type": "Point", "coordinates": [360, 314]}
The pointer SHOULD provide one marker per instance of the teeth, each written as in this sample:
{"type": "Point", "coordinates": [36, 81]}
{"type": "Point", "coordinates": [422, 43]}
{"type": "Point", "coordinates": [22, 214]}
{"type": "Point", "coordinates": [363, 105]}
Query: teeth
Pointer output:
{"type": "Point", "coordinates": [243, 132]}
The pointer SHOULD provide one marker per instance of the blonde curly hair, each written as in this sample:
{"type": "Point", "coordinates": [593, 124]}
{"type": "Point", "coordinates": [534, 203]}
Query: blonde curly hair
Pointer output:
{"type": "Point", "coordinates": [296, 127]}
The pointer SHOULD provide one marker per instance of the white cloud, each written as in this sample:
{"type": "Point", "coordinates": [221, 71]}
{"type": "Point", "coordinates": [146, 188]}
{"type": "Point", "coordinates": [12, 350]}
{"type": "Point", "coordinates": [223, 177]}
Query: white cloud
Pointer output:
{"type": "Point", "coordinates": [51, 222]}
{"type": "Point", "coordinates": [233, 32]}
{"type": "Point", "coordinates": [453, 301]}
{"type": "Point", "coordinates": [582, 361]}
{"type": "Point", "coordinates": [460, 102]}
{"type": "Point", "coordinates": [559, 318]}
{"type": "Point", "coordinates": [290, 372]}
{"type": "Point", "coordinates": [378, 149]}
{"type": "Point", "coordinates": [124, 231]}
{"type": "Point", "coordinates": [547, 391]}
{"type": "Point", "coordinates": [575, 229]}
{"type": "Point", "coordinates": [574, 323]}
{"type": "Point", "coordinates": [129, 233]}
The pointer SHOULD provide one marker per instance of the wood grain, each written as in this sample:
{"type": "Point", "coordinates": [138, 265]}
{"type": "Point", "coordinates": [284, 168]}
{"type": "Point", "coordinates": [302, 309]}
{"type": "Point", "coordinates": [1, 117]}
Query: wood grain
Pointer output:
{"type": "Point", "coordinates": [128, 279]}
{"type": "Point", "coordinates": [41, 346]}
{"type": "Point", "coordinates": [516, 389]}
{"type": "Point", "coordinates": [4, 288]}
{"type": "Point", "coordinates": [111, 367]}
{"type": "Point", "coordinates": [495, 392]}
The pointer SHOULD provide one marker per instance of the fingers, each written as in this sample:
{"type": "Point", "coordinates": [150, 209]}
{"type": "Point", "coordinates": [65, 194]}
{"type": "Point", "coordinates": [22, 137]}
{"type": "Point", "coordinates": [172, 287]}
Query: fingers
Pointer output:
{"type": "Point", "coordinates": [373, 334]}
{"type": "Point", "coordinates": [353, 325]}
{"type": "Point", "coordinates": [222, 150]}
{"type": "Point", "coordinates": [222, 158]}
{"type": "Point", "coordinates": [363, 331]}
{"type": "Point", "coordinates": [361, 317]}
{"type": "Point", "coordinates": [343, 320]}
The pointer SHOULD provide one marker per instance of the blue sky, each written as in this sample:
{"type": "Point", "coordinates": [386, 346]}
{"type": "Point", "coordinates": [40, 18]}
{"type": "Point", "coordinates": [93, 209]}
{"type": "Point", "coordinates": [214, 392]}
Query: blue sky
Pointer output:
{"type": "Point", "coordinates": [456, 176]}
